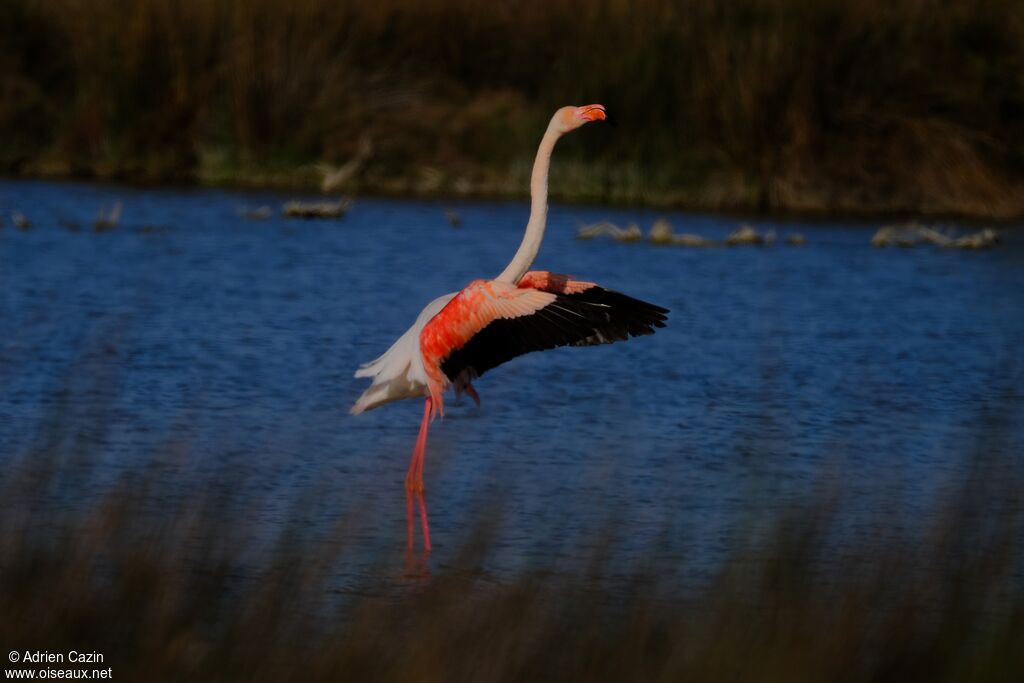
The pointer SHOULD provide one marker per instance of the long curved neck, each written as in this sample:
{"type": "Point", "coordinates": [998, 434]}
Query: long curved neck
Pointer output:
{"type": "Point", "coordinates": [530, 245]}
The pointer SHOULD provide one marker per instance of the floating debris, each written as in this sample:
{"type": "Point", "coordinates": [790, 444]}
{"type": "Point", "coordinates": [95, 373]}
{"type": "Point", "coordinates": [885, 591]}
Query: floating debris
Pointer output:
{"type": "Point", "coordinates": [21, 222]}
{"type": "Point", "coordinates": [746, 235]}
{"type": "Point", "coordinates": [316, 209]}
{"type": "Point", "coordinates": [895, 236]}
{"type": "Point", "coordinates": [260, 213]}
{"type": "Point", "coordinates": [885, 236]}
{"type": "Point", "coordinates": [689, 240]}
{"type": "Point", "coordinates": [589, 232]}
{"type": "Point", "coordinates": [933, 236]}
{"type": "Point", "coordinates": [982, 239]}
{"type": "Point", "coordinates": [913, 233]}
{"type": "Point", "coordinates": [662, 233]}
{"type": "Point", "coordinates": [108, 220]}
{"type": "Point", "coordinates": [632, 233]}
{"type": "Point", "coordinates": [453, 217]}
{"type": "Point", "coordinates": [795, 239]}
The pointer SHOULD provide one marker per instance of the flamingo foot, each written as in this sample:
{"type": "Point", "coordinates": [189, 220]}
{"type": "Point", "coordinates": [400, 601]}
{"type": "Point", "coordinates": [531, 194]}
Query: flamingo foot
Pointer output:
{"type": "Point", "coordinates": [473, 395]}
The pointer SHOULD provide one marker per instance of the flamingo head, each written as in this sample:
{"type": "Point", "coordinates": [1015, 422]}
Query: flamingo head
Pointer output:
{"type": "Point", "coordinates": [571, 118]}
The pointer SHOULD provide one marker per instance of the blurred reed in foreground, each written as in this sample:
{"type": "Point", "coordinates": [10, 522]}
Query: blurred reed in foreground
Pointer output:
{"type": "Point", "coordinates": [875, 105]}
{"type": "Point", "coordinates": [178, 593]}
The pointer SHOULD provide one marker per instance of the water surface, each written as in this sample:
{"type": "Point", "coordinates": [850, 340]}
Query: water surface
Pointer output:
{"type": "Point", "coordinates": [230, 345]}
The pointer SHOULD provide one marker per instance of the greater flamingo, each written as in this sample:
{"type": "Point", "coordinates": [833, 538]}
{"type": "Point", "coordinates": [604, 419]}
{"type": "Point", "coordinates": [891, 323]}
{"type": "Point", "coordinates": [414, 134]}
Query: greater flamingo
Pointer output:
{"type": "Point", "coordinates": [462, 335]}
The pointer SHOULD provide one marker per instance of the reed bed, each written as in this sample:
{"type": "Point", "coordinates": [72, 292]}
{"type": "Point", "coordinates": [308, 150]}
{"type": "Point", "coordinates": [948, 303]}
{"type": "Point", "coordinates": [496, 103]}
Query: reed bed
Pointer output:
{"type": "Point", "coordinates": [912, 105]}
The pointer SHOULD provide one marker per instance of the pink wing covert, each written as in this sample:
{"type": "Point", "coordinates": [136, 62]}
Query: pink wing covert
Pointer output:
{"type": "Point", "coordinates": [554, 282]}
{"type": "Point", "coordinates": [489, 323]}
{"type": "Point", "coordinates": [474, 308]}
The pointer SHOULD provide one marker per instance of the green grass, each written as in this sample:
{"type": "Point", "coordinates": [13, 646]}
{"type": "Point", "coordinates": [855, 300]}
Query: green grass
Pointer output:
{"type": "Point", "coordinates": [911, 105]}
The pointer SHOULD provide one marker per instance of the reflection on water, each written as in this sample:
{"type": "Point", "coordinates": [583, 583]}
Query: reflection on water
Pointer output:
{"type": "Point", "coordinates": [231, 343]}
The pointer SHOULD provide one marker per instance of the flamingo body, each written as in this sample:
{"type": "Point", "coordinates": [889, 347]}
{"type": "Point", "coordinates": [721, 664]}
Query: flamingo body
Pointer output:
{"type": "Point", "coordinates": [399, 373]}
{"type": "Point", "coordinates": [460, 336]}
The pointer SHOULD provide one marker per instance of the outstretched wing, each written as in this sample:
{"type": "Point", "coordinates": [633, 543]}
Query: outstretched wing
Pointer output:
{"type": "Point", "coordinates": [567, 313]}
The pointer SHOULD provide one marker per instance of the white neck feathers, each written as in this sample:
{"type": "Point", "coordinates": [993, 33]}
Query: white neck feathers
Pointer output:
{"type": "Point", "coordinates": [530, 245]}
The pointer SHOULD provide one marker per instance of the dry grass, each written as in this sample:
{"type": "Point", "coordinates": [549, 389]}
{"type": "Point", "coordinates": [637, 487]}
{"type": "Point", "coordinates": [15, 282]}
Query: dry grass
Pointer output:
{"type": "Point", "coordinates": [774, 104]}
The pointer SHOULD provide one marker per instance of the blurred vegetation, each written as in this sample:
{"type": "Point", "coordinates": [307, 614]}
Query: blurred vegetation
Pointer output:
{"type": "Point", "coordinates": [875, 105]}
{"type": "Point", "coordinates": [171, 578]}
{"type": "Point", "coordinates": [185, 595]}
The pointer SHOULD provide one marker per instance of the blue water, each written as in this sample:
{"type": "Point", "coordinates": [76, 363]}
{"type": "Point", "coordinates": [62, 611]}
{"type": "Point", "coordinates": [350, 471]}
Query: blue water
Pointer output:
{"type": "Point", "coordinates": [227, 346]}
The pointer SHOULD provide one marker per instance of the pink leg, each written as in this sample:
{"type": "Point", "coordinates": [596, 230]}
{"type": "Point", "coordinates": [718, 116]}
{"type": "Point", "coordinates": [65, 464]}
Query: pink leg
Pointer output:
{"type": "Point", "coordinates": [414, 481]}
{"type": "Point", "coordinates": [472, 394]}
{"type": "Point", "coordinates": [423, 522]}
{"type": "Point", "coordinates": [418, 484]}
